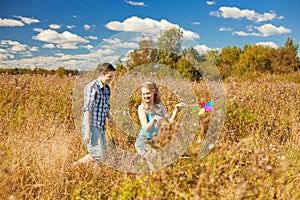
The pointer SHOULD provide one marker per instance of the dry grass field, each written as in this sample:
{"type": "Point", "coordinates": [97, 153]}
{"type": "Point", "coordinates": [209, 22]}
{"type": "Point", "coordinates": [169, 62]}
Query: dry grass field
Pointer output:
{"type": "Point", "coordinates": [256, 157]}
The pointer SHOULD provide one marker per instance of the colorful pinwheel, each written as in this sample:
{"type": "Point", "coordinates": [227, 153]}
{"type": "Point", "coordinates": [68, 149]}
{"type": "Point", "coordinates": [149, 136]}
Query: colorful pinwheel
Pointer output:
{"type": "Point", "coordinates": [201, 107]}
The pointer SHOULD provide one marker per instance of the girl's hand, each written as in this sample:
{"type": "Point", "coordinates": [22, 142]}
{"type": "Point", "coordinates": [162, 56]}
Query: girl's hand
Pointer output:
{"type": "Point", "coordinates": [179, 106]}
{"type": "Point", "coordinates": [160, 121]}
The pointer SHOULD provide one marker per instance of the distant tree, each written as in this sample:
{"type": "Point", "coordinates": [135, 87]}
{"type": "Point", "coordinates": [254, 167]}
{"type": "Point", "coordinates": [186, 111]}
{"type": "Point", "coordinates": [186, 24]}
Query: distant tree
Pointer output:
{"type": "Point", "coordinates": [171, 40]}
{"type": "Point", "coordinates": [169, 54]}
{"type": "Point", "coordinates": [254, 58]}
{"type": "Point", "coordinates": [285, 59]}
{"type": "Point", "coordinates": [227, 59]}
{"type": "Point", "coordinates": [187, 70]}
{"type": "Point", "coordinates": [145, 54]}
{"type": "Point", "coordinates": [212, 56]}
{"type": "Point", "coordinates": [193, 56]}
{"type": "Point", "coordinates": [41, 71]}
{"type": "Point", "coordinates": [169, 46]}
{"type": "Point", "coordinates": [61, 71]}
{"type": "Point", "coordinates": [120, 69]}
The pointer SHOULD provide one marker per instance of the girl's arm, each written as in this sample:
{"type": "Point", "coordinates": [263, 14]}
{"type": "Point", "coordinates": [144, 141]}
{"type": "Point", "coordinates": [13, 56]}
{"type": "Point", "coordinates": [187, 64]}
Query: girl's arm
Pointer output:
{"type": "Point", "coordinates": [176, 110]}
{"type": "Point", "coordinates": [143, 119]}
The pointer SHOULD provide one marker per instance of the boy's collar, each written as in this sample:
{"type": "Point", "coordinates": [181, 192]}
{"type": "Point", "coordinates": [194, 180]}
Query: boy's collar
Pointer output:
{"type": "Point", "coordinates": [101, 84]}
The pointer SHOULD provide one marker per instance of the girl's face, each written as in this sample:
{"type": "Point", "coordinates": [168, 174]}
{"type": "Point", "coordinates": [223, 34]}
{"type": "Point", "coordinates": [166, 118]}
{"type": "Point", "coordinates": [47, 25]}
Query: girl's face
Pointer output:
{"type": "Point", "coordinates": [147, 95]}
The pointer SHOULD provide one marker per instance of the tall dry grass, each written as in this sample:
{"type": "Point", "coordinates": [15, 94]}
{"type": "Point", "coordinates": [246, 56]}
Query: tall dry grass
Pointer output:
{"type": "Point", "coordinates": [256, 157]}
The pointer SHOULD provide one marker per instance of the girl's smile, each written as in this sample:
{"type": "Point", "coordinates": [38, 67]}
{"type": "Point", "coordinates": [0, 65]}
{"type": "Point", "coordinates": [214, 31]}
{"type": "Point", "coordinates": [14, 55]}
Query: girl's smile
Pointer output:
{"type": "Point", "coordinates": [147, 95]}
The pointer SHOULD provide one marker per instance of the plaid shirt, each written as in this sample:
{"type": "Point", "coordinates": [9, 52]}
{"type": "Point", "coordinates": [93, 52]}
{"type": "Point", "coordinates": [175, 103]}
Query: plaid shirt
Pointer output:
{"type": "Point", "coordinates": [96, 100]}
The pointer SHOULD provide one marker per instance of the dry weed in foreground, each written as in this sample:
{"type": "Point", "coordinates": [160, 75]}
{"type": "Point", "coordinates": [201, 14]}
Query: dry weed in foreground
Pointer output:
{"type": "Point", "coordinates": [257, 156]}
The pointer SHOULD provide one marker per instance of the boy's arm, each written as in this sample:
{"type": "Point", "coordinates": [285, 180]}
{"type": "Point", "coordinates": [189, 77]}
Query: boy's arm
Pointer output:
{"type": "Point", "coordinates": [89, 94]}
{"type": "Point", "coordinates": [86, 123]}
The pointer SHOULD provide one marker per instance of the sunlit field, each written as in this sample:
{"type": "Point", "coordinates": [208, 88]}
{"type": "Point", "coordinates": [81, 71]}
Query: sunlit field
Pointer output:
{"type": "Point", "coordinates": [256, 157]}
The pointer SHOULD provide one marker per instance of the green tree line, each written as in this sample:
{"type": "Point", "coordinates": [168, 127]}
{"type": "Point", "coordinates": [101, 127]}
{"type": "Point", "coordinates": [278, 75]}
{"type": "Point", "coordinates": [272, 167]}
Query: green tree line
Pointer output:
{"type": "Point", "coordinates": [60, 71]}
{"type": "Point", "coordinates": [234, 61]}
{"type": "Point", "coordinates": [230, 61]}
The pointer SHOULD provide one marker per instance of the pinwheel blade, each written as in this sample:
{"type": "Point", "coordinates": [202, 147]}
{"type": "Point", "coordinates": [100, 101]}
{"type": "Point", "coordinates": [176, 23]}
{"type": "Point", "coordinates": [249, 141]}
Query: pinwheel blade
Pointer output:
{"type": "Point", "coordinates": [211, 103]}
{"type": "Point", "coordinates": [201, 111]}
{"type": "Point", "coordinates": [208, 108]}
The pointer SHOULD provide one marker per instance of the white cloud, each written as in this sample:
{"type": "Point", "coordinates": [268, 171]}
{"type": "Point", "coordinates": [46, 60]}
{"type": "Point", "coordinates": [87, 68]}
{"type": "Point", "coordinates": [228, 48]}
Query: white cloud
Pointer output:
{"type": "Point", "coordinates": [269, 29]}
{"type": "Point", "coordinates": [210, 3]}
{"type": "Point", "coordinates": [10, 47]}
{"type": "Point", "coordinates": [267, 44]}
{"type": "Point", "coordinates": [147, 25]}
{"type": "Point", "coordinates": [38, 29]}
{"type": "Point", "coordinates": [104, 51]}
{"type": "Point", "coordinates": [242, 33]}
{"type": "Point", "coordinates": [65, 40]}
{"type": "Point", "coordinates": [4, 56]}
{"type": "Point", "coordinates": [236, 13]}
{"type": "Point", "coordinates": [32, 62]}
{"type": "Point", "coordinates": [50, 62]}
{"type": "Point", "coordinates": [68, 61]}
{"type": "Point", "coordinates": [92, 37]}
{"type": "Point", "coordinates": [135, 3]}
{"type": "Point", "coordinates": [196, 23]}
{"type": "Point", "coordinates": [14, 46]}
{"type": "Point", "coordinates": [67, 46]}
{"type": "Point", "coordinates": [55, 26]}
{"type": "Point", "coordinates": [87, 46]}
{"type": "Point", "coordinates": [6, 43]}
{"type": "Point", "coordinates": [19, 47]}
{"type": "Point", "coordinates": [224, 28]}
{"type": "Point", "coordinates": [87, 27]}
{"type": "Point", "coordinates": [117, 43]}
{"type": "Point", "coordinates": [264, 31]}
{"type": "Point", "coordinates": [70, 26]}
{"type": "Point", "coordinates": [49, 46]}
{"type": "Point", "coordinates": [10, 22]}
{"type": "Point", "coordinates": [34, 48]}
{"type": "Point", "coordinates": [27, 20]}
{"type": "Point", "coordinates": [203, 49]}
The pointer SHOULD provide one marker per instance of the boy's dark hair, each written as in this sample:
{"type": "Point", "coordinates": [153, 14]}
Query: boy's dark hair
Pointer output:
{"type": "Point", "coordinates": [105, 67]}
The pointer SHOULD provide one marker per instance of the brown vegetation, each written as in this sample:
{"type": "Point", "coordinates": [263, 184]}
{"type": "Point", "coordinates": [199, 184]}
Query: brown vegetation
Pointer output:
{"type": "Point", "coordinates": [256, 157]}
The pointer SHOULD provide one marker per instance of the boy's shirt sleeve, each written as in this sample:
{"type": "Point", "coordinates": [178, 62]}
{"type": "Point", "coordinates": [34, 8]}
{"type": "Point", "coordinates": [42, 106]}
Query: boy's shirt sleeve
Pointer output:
{"type": "Point", "coordinates": [89, 98]}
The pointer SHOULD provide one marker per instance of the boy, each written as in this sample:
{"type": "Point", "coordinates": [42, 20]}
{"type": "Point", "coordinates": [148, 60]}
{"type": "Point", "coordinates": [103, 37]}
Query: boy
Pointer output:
{"type": "Point", "coordinates": [96, 110]}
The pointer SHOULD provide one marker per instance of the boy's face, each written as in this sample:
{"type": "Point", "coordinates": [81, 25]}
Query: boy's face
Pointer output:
{"type": "Point", "coordinates": [107, 77]}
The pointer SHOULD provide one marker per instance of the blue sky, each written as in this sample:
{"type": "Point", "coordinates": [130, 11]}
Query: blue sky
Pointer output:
{"type": "Point", "coordinates": [70, 34]}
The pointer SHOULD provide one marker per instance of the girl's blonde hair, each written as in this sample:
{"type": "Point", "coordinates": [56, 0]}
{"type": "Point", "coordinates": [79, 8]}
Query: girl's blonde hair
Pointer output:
{"type": "Point", "coordinates": [151, 85]}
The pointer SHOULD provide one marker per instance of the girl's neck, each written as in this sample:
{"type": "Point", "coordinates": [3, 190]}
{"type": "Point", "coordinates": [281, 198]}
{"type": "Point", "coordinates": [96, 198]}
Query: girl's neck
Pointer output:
{"type": "Point", "coordinates": [149, 105]}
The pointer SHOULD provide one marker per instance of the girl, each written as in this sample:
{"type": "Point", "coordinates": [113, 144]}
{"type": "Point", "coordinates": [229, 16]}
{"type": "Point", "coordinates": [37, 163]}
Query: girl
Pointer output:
{"type": "Point", "coordinates": [152, 115]}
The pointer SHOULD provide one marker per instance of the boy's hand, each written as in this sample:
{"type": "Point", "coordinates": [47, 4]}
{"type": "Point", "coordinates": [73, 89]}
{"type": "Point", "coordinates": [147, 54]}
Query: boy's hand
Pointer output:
{"type": "Point", "coordinates": [87, 137]}
{"type": "Point", "coordinates": [111, 121]}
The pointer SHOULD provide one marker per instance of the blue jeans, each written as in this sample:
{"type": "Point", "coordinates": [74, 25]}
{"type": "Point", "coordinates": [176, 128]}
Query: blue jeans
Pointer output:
{"type": "Point", "coordinates": [142, 144]}
{"type": "Point", "coordinates": [97, 145]}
